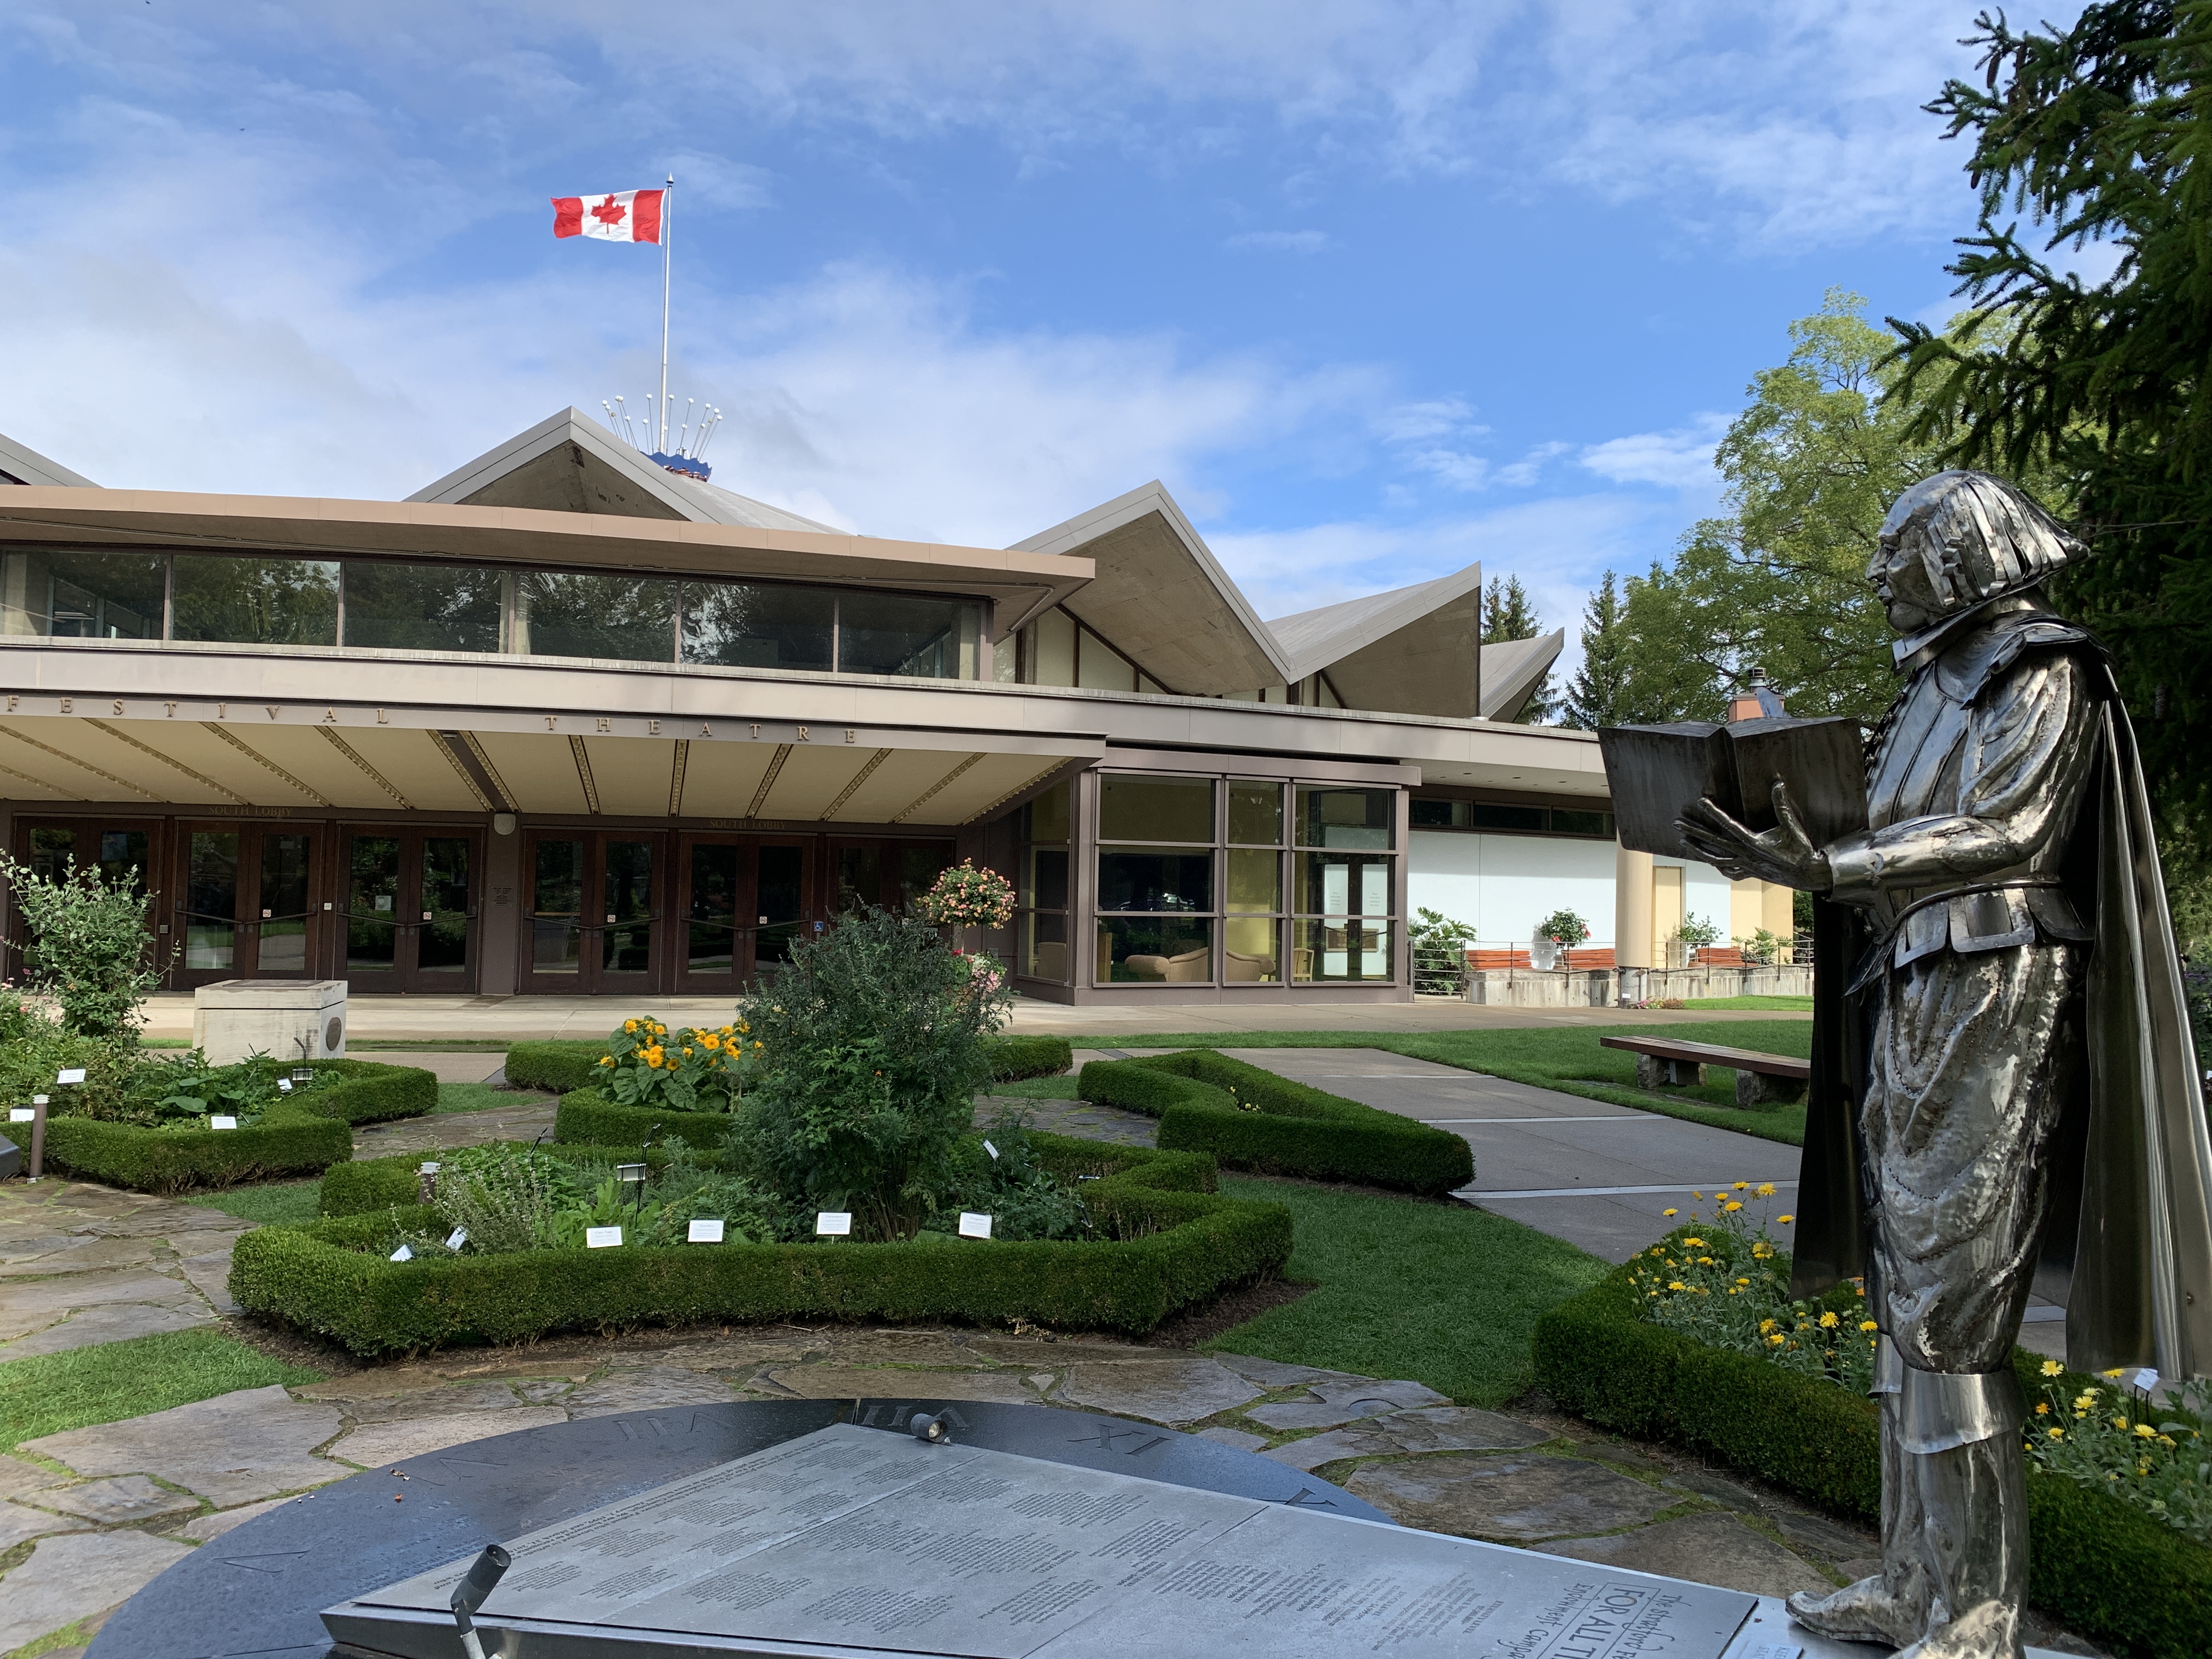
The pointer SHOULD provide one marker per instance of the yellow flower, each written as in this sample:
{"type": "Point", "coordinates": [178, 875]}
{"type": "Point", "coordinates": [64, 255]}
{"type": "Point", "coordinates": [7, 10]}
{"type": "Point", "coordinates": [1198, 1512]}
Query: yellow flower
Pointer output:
{"type": "Point", "coordinates": [1778, 1339]}
{"type": "Point", "coordinates": [1765, 1325]}
{"type": "Point", "coordinates": [2055, 1434]}
{"type": "Point", "coordinates": [606, 1059]}
{"type": "Point", "coordinates": [1693, 1244]}
{"type": "Point", "coordinates": [2144, 1431]}
{"type": "Point", "coordinates": [1785, 1220]}
{"type": "Point", "coordinates": [1741, 1185]}
{"type": "Point", "coordinates": [1743, 1281]}
{"type": "Point", "coordinates": [1670, 1213]}
{"type": "Point", "coordinates": [1766, 1189]}
{"type": "Point", "coordinates": [1829, 1322]}
{"type": "Point", "coordinates": [1677, 1284]}
{"type": "Point", "coordinates": [2052, 1368]}
{"type": "Point", "coordinates": [1696, 1194]}
{"type": "Point", "coordinates": [1731, 1205]}
{"type": "Point", "coordinates": [2115, 1371]}
{"type": "Point", "coordinates": [687, 1051]}
{"type": "Point", "coordinates": [710, 1043]}
{"type": "Point", "coordinates": [2043, 1408]}
{"type": "Point", "coordinates": [629, 1025]}
{"type": "Point", "coordinates": [1868, 1325]}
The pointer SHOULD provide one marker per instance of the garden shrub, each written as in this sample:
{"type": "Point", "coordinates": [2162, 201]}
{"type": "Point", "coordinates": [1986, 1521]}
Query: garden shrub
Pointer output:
{"type": "Point", "coordinates": [296, 1135]}
{"type": "Point", "coordinates": [2115, 1575]}
{"type": "Point", "coordinates": [86, 944]}
{"type": "Point", "coordinates": [873, 1039]}
{"type": "Point", "coordinates": [561, 1066]}
{"type": "Point", "coordinates": [1251, 1119]}
{"type": "Point", "coordinates": [1169, 1241]}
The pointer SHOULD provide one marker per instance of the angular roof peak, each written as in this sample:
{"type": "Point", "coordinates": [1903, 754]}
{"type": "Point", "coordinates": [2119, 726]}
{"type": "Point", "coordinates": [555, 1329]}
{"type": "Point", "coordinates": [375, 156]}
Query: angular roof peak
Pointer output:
{"type": "Point", "coordinates": [21, 465]}
{"type": "Point", "coordinates": [1411, 651]}
{"type": "Point", "coordinates": [570, 463]}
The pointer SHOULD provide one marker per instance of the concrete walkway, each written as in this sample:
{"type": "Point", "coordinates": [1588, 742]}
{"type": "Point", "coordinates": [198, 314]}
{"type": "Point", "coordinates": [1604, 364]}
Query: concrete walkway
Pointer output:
{"type": "Point", "coordinates": [519, 1018]}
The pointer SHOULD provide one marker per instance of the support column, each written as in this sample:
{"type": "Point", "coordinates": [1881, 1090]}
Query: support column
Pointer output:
{"type": "Point", "coordinates": [500, 934]}
{"type": "Point", "coordinates": [1632, 920]}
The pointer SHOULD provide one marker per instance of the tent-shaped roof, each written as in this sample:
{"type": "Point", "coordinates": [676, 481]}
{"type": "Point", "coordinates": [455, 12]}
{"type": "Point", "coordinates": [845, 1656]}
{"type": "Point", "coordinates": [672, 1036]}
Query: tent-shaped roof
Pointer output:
{"type": "Point", "coordinates": [1511, 669]}
{"type": "Point", "coordinates": [1411, 651]}
{"type": "Point", "coordinates": [1162, 596]}
{"type": "Point", "coordinates": [570, 463]}
{"type": "Point", "coordinates": [21, 466]}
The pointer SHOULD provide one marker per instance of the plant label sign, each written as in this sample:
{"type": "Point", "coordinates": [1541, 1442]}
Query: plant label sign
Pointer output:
{"type": "Point", "coordinates": [221, 1121]}
{"type": "Point", "coordinates": [21, 1114]}
{"type": "Point", "coordinates": [833, 1224]}
{"type": "Point", "coordinates": [973, 1226]}
{"type": "Point", "coordinates": [283, 1086]}
{"type": "Point", "coordinates": [602, 1238]}
{"type": "Point", "coordinates": [71, 1074]}
{"type": "Point", "coordinates": [456, 1238]}
{"type": "Point", "coordinates": [993, 1151]}
{"type": "Point", "coordinates": [402, 1254]}
{"type": "Point", "coordinates": [704, 1232]}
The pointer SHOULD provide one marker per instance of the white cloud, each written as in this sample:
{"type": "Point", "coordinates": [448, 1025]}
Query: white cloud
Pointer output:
{"type": "Point", "coordinates": [1281, 241]}
{"type": "Point", "coordinates": [1681, 459]}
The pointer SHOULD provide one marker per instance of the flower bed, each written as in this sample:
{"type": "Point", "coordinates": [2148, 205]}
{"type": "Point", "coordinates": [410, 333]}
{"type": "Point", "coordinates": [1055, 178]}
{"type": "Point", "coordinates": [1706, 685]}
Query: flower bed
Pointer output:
{"type": "Point", "coordinates": [1165, 1241]}
{"type": "Point", "coordinates": [297, 1134]}
{"type": "Point", "coordinates": [2112, 1572]}
{"type": "Point", "coordinates": [561, 1067]}
{"type": "Point", "coordinates": [1251, 1119]}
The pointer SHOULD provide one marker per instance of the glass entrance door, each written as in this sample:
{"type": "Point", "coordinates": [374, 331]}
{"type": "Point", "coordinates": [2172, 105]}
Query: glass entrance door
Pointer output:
{"type": "Point", "coordinates": [246, 907]}
{"type": "Point", "coordinates": [744, 903]}
{"type": "Point", "coordinates": [411, 910]}
{"type": "Point", "coordinates": [595, 917]}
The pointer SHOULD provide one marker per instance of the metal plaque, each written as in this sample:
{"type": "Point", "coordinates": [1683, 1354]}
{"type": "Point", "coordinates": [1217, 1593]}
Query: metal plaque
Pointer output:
{"type": "Point", "coordinates": [856, 1541]}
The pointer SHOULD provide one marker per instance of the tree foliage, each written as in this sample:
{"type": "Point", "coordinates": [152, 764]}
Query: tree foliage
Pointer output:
{"type": "Point", "coordinates": [88, 946]}
{"type": "Point", "coordinates": [1597, 697]}
{"type": "Point", "coordinates": [1779, 583]}
{"type": "Point", "coordinates": [2096, 132]}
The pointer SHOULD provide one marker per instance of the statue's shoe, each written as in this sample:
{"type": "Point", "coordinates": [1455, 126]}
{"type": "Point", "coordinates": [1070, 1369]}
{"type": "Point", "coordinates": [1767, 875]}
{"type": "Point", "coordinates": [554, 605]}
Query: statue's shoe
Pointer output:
{"type": "Point", "coordinates": [1871, 1610]}
{"type": "Point", "coordinates": [1988, 1631]}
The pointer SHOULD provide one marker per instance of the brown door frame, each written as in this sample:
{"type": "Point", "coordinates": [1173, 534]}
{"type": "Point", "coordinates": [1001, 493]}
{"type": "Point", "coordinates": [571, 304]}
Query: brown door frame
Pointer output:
{"type": "Point", "coordinates": [406, 975]}
{"type": "Point", "coordinates": [246, 937]}
{"type": "Point", "coordinates": [591, 978]}
{"type": "Point", "coordinates": [746, 935]}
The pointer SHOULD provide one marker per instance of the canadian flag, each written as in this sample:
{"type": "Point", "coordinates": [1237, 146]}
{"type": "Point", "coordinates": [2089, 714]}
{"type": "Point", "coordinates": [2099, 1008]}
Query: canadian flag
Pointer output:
{"type": "Point", "coordinates": [624, 216]}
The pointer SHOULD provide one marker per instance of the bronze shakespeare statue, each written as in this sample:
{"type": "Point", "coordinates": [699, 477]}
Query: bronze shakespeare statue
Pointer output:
{"type": "Point", "coordinates": [2014, 1099]}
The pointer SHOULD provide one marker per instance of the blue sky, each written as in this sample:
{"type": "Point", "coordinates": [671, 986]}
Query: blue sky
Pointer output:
{"type": "Point", "coordinates": [1377, 289]}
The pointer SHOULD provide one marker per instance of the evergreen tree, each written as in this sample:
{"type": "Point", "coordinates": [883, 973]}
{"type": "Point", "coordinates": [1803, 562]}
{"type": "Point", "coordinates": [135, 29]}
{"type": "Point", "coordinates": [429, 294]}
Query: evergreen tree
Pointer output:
{"type": "Point", "coordinates": [1508, 615]}
{"type": "Point", "coordinates": [1598, 695]}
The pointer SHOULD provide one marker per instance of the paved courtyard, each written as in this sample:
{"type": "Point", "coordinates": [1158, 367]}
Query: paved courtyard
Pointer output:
{"type": "Point", "coordinates": [89, 1516]}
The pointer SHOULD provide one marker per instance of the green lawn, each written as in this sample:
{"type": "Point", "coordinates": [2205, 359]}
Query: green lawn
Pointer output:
{"type": "Point", "coordinates": [1441, 1293]}
{"type": "Point", "coordinates": [478, 1098]}
{"type": "Point", "coordinates": [110, 1381]}
{"type": "Point", "coordinates": [1563, 1057]}
{"type": "Point", "coordinates": [276, 1203]}
{"type": "Point", "coordinates": [1765, 1004]}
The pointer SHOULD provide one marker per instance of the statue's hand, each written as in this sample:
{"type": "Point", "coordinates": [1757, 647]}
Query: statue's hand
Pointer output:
{"type": "Point", "coordinates": [1785, 853]}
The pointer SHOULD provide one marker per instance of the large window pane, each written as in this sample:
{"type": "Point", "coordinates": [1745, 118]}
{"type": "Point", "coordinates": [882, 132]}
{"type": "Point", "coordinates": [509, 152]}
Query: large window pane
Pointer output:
{"type": "Point", "coordinates": [123, 855]}
{"type": "Point", "coordinates": [1044, 879]}
{"type": "Point", "coordinates": [556, 903]}
{"type": "Point", "coordinates": [743, 625]}
{"type": "Point", "coordinates": [1155, 878]}
{"type": "Point", "coordinates": [1255, 813]}
{"type": "Point", "coordinates": [1046, 817]}
{"type": "Point", "coordinates": [1044, 947]}
{"type": "Point", "coordinates": [919, 868]}
{"type": "Point", "coordinates": [1255, 879]}
{"type": "Point", "coordinates": [53, 852]}
{"type": "Point", "coordinates": [444, 940]}
{"type": "Point", "coordinates": [780, 892]}
{"type": "Point", "coordinates": [1343, 884]}
{"type": "Point", "coordinates": [83, 596]}
{"type": "Point", "coordinates": [1345, 818]}
{"type": "Point", "coordinates": [211, 900]}
{"type": "Point", "coordinates": [892, 634]}
{"type": "Point", "coordinates": [1136, 808]}
{"type": "Point", "coordinates": [1340, 950]}
{"type": "Point", "coordinates": [1155, 949]}
{"type": "Point", "coordinates": [859, 877]}
{"type": "Point", "coordinates": [422, 607]}
{"type": "Point", "coordinates": [372, 921]}
{"type": "Point", "coordinates": [629, 907]}
{"type": "Point", "coordinates": [1248, 950]}
{"type": "Point", "coordinates": [1099, 667]}
{"type": "Point", "coordinates": [284, 883]}
{"type": "Point", "coordinates": [624, 618]}
{"type": "Point", "coordinates": [257, 601]}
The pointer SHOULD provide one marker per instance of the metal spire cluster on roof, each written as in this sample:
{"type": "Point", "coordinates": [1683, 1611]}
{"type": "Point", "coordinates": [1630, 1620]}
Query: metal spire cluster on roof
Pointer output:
{"type": "Point", "coordinates": [685, 454]}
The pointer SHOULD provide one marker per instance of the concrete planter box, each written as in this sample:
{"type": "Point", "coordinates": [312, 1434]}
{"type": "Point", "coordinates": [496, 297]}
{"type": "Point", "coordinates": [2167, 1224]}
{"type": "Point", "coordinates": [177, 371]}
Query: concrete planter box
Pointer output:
{"type": "Point", "coordinates": [1530, 987]}
{"type": "Point", "coordinates": [1660, 985]}
{"type": "Point", "coordinates": [293, 1020]}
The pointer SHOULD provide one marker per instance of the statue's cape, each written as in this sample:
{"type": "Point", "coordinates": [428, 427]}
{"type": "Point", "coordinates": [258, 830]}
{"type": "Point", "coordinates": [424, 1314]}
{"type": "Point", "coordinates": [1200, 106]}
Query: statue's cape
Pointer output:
{"type": "Point", "coordinates": [2129, 1246]}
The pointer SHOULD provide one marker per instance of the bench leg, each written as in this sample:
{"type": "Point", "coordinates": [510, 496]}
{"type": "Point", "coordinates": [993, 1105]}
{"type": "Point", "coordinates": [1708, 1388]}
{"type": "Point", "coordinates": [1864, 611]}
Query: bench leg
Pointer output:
{"type": "Point", "coordinates": [1754, 1090]}
{"type": "Point", "coordinates": [1653, 1073]}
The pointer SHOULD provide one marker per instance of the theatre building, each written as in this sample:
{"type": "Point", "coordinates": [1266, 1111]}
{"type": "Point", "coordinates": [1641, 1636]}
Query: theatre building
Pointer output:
{"type": "Point", "coordinates": [568, 722]}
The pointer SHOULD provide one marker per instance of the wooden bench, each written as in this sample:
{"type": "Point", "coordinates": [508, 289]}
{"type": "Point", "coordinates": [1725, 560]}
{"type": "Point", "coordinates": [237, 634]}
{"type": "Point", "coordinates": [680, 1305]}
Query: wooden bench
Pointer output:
{"type": "Point", "coordinates": [1760, 1080]}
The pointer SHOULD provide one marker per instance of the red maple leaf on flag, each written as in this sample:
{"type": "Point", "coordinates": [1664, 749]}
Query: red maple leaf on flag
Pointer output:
{"type": "Point", "coordinates": [610, 212]}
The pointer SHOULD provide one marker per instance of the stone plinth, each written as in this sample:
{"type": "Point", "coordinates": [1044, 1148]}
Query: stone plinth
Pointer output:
{"type": "Point", "coordinates": [288, 1020]}
{"type": "Point", "coordinates": [1538, 987]}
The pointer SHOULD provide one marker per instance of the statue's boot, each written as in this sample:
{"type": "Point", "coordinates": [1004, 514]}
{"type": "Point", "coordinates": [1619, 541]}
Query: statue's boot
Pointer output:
{"type": "Point", "coordinates": [1973, 1505]}
{"type": "Point", "coordinates": [1892, 1606]}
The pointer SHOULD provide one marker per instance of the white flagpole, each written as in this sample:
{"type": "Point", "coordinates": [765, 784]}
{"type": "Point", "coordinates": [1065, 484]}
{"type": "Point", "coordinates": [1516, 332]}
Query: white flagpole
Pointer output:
{"type": "Point", "coordinates": [667, 203]}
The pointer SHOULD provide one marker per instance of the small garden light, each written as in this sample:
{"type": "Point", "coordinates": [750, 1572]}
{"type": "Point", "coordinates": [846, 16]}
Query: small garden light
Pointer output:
{"type": "Point", "coordinates": [426, 1183]}
{"type": "Point", "coordinates": [303, 1074]}
{"type": "Point", "coordinates": [632, 1177]}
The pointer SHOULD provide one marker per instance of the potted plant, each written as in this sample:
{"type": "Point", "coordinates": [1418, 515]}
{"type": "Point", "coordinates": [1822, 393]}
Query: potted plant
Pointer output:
{"type": "Point", "coordinates": [1556, 935]}
{"type": "Point", "coordinates": [965, 897]}
{"type": "Point", "coordinates": [1693, 935]}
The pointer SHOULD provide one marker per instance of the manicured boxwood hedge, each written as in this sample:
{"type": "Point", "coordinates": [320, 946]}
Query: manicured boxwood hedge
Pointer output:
{"type": "Point", "coordinates": [295, 1136]}
{"type": "Point", "coordinates": [1199, 1097]}
{"type": "Point", "coordinates": [563, 1067]}
{"type": "Point", "coordinates": [2112, 1573]}
{"type": "Point", "coordinates": [1180, 1243]}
